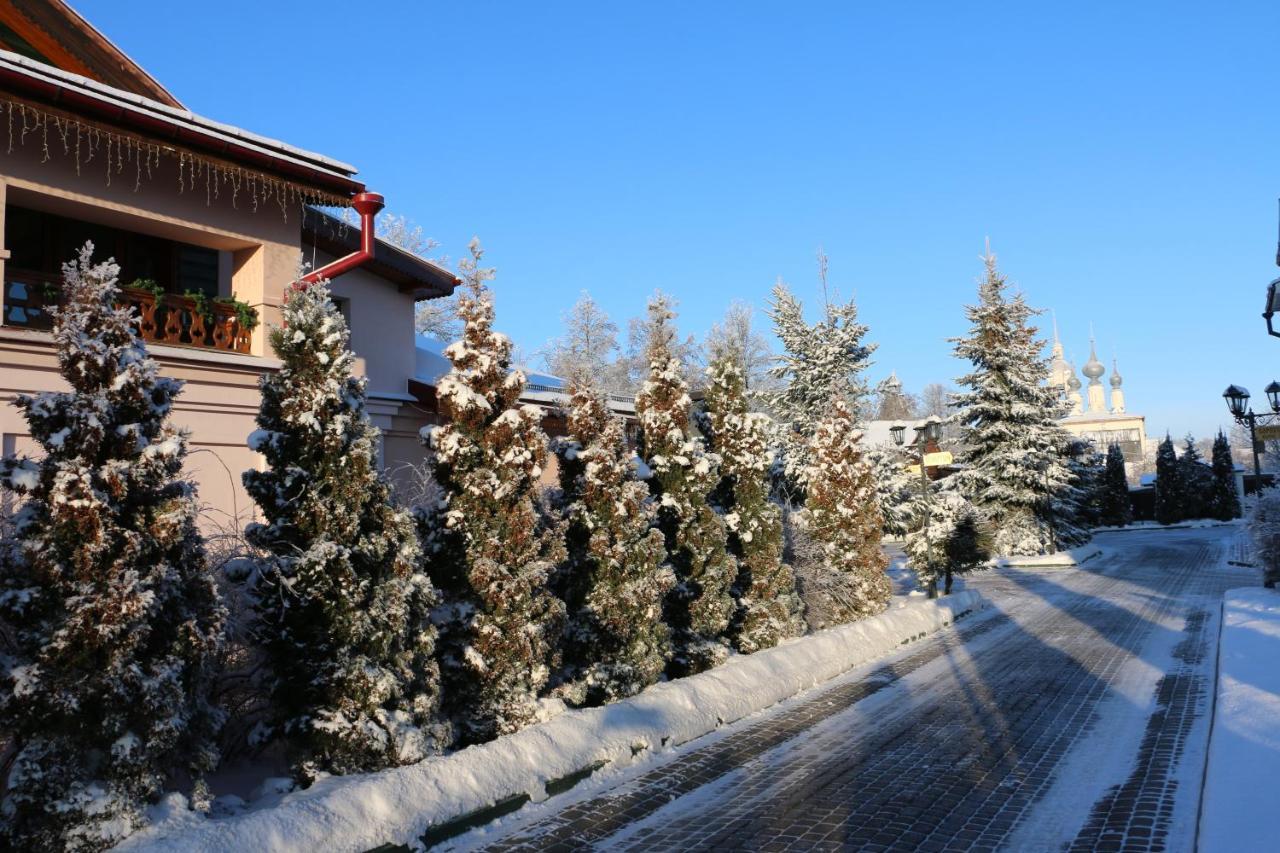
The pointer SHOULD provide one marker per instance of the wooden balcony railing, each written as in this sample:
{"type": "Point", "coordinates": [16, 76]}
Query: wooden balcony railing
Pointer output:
{"type": "Point", "coordinates": [169, 319]}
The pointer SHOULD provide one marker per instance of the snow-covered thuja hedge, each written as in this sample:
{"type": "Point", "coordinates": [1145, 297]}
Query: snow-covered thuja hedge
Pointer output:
{"type": "Point", "coordinates": [1016, 473]}
{"type": "Point", "coordinates": [342, 603]}
{"type": "Point", "coordinates": [110, 617]}
{"type": "Point", "coordinates": [820, 364]}
{"type": "Point", "coordinates": [491, 547]}
{"type": "Point", "coordinates": [842, 515]}
{"type": "Point", "coordinates": [683, 473]}
{"type": "Point", "coordinates": [615, 578]}
{"type": "Point", "coordinates": [768, 608]}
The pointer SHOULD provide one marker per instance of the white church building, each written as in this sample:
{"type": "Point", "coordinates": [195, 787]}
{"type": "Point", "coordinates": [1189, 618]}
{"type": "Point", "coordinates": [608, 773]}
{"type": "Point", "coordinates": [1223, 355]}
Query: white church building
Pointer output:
{"type": "Point", "coordinates": [1090, 416]}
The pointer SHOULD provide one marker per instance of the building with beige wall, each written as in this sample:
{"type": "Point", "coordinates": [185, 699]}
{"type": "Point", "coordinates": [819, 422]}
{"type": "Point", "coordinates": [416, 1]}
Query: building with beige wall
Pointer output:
{"type": "Point", "coordinates": [194, 211]}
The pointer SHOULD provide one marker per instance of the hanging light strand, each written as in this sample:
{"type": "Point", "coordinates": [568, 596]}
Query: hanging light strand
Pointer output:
{"type": "Point", "coordinates": [82, 141]}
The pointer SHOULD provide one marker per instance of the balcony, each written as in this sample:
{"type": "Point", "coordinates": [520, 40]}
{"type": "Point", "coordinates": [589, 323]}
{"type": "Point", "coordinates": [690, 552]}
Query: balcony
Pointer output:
{"type": "Point", "coordinates": [167, 319]}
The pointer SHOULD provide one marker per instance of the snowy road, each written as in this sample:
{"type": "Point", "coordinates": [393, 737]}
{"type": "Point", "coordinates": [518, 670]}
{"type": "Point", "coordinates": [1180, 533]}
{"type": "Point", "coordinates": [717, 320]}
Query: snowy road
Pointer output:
{"type": "Point", "coordinates": [1073, 715]}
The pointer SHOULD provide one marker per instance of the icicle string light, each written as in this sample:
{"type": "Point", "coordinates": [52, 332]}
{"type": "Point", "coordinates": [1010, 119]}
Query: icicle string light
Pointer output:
{"type": "Point", "coordinates": [82, 141]}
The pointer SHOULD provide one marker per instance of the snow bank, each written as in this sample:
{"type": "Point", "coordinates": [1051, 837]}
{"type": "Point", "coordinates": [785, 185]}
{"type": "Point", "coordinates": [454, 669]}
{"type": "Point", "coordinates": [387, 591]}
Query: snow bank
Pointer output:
{"type": "Point", "coordinates": [1239, 802]}
{"type": "Point", "coordinates": [398, 806]}
{"type": "Point", "coordinates": [1062, 559]}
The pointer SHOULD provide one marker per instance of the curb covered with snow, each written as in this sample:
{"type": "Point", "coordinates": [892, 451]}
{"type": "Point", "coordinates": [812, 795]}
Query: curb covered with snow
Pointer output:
{"type": "Point", "coordinates": [1237, 811]}
{"type": "Point", "coordinates": [398, 806]}
{"type": "Point", "coordinates": [1062, 559]}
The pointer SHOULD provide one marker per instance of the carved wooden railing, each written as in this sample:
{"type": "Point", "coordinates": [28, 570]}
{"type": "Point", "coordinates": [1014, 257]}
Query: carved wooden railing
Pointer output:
{"type": "Point", "coordinates": [169, 319]}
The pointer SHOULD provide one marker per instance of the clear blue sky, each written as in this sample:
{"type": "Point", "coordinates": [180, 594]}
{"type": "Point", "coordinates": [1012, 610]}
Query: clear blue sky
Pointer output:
{"type": "Point", "coordinates": [1124, 159]}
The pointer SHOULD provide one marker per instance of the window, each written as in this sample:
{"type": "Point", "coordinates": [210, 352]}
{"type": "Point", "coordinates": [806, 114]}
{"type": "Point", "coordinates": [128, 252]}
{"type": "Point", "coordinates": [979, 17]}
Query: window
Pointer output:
{"type": "Point", "coordinates": [42, 242]}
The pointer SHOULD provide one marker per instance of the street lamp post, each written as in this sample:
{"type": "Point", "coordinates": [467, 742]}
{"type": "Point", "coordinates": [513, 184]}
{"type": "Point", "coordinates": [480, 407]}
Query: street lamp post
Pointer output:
{"type": "Point", "coordinates": [1237, 398]}
{"type": "Point", "coordinates": [929, 430]}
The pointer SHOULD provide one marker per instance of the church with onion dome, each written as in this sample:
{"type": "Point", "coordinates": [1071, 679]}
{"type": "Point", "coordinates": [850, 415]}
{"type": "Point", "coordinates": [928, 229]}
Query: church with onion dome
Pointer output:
{"type": "Point", "coordinates": [1091, 415]}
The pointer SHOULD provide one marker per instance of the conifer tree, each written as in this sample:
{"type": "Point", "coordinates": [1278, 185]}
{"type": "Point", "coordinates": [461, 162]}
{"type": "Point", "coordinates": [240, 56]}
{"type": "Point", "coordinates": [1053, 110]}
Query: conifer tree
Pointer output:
{"type": "Point", "coordinates": [1197, 481]}
{"type": "Point", "coordinates": [897, 491]}
{"type": "Point", "coordinates": [768, 608]}
{"type": "Point", "coordinates": [1224, 500]}
{"type": "Point", "coordinates": [683, 473]}
{"type": "Point", "coordinates": [615, 578]}
{"type": "Point", "coordinates": [343, 605]}
{"type": "Point", "coordinates": [842, 514]}
{"type": "Point", "coordinates": [491, 548]}
{"type": "Point", "coordinates": [1017, 473]}
{"type": "Point", "coordinates": [1116, 509]}
{"type": "Point", "coordinates": [111, 617]}
{"type": "Point", "coordinates": [1084, 505]}
{"type": "Point", "coordinates": [821, 364]}
{"type": "Point", "coordinates": [1170, 492]}
{"type": "Point", "coordinates": [968, 546]}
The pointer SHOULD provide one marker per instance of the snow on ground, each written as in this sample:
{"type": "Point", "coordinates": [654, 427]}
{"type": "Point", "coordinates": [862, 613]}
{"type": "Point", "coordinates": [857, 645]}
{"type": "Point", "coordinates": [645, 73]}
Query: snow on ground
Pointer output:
{"type": "Point", "coordinates": [1239, 807]}
{"type": "Point", "coordinates": [1072, 557]}
{"type": "Point", "coordinates": [397, 806]}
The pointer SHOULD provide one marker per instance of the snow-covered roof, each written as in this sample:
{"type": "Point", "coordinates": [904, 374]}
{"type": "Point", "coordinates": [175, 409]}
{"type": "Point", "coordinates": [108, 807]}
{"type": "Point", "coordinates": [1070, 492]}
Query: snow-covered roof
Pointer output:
{"type": "Point", "coordinates": [430, 366]}
{"type": "Point", "coordinates": [160, 119]}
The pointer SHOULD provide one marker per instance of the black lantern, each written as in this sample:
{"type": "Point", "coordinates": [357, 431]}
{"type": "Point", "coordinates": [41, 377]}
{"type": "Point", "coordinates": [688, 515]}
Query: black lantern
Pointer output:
{"type": "Point", "coordinates": [897, 431]}
{"type": "Point", "coordinates": [932, 430]}
{"type": "Point", "coordinates": [1273, 395]}
{"type": "Point", "coordinates": [1237, 400]}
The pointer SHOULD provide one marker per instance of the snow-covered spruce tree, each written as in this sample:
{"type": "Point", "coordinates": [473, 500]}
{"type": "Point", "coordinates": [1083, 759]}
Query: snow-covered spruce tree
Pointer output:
{"type": "Point", "coordinates": [343, 605]}
{"type": "Point", "coordinates": [897, 491]}
{"type": "Point", "coordinates": [491, 547]}
{"type": "Point", "coordinates": [1116, 509]}
{"type": "Point", "coordinates": [614, 579]}
{"type": "Point", "coordinates": [111, 619]}
{"type": "Point", "coordinates": [1170, 492]}
{"type": "Point", "coordinates": [842, 514]}
{"type": "Point", "coordinates": [768, 608]}
{"type": "Point", "coordinates": [1017, 471]}
{"type": "Point", "coordinates": [1224, 500]}
{"type": "Point", "coordinates": [683, 473]}
{"type": "Point", "coordinates": [820, 364]}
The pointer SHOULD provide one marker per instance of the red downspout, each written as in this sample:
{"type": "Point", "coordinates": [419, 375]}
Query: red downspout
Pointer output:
{"type": "Point", "coordinates": [367, 205]}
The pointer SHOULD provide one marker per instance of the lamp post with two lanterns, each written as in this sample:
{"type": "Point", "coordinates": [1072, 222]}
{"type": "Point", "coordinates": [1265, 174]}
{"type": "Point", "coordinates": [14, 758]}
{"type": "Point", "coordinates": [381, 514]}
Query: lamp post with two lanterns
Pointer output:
{"type": "Point", "coordinates": [1237, 398]}
{"type": "Point", "coordinates": [930, 430]}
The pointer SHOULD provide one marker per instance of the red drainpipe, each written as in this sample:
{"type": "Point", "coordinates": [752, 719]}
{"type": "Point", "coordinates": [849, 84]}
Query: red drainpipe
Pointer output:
{"type": "Point", "coordinates": [367, 205]}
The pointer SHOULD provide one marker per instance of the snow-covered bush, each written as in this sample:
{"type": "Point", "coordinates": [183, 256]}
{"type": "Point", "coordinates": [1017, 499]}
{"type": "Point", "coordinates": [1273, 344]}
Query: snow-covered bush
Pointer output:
{"type": "Point", "coordinates": [768, 609]}
{"type": "Point", "coordinates": [897, 491]}
{"type": "Point", "coordinates": [111, 618]}
{"type": "Point", "coordinates": [491, 547]}
{"type": "Point", "coordinates": [343, 604]}
{"type": "Point", "coordinates": [615, 577]}
{"type": "Point", "coordinates": [683, 473]}
{"type": "Point", "coordinates": [1264, 529]}
{"type": "Point", "coordinates": [1017, 471]}
{"type": "Point", "coordinates": [955, 538]}
{"type": "Point", "coordinates": [842, 514]}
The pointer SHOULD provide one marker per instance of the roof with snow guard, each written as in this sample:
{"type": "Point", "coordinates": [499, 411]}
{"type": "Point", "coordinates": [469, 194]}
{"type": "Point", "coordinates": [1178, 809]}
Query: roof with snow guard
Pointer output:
{"type": "Point", "coordinates": [541, 389]}
{"type": "Point", "coordinates": [423, 278]}
{"type": "Point", "coordinates": [79, 96]}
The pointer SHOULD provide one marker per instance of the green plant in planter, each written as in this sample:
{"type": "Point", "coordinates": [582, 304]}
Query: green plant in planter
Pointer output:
{"type": "Point", "coordinates": [202, 305]}
{"type": "Point", "coordinates": [246, 315]}
{"type": "Point", "coordinates": [148, 285]}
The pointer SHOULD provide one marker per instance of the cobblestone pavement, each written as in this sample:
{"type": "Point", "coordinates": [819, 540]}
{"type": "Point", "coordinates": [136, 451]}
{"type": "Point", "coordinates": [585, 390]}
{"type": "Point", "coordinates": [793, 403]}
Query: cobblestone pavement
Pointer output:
{"type": "Point", "coordinates": [1073, 716]}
